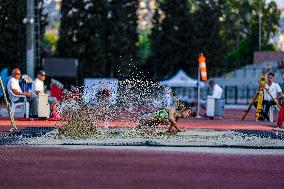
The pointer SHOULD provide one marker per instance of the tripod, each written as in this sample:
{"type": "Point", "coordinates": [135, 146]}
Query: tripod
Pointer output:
{"type": "Point", "coordinates": [8, 106]}
{"type": "Point", "coordinates": [259, 97]}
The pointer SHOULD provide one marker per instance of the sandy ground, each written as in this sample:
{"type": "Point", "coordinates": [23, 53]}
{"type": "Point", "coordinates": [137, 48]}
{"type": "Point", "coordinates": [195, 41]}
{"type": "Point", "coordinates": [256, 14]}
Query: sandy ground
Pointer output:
{"type": "Point", "coordinates": [229, 131]}
{"type": "Point", "coordinates": [190, 138]}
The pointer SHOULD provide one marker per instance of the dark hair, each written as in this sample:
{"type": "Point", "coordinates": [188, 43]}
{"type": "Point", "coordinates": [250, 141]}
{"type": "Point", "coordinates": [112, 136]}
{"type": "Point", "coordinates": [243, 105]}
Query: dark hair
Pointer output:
{"type": "Point", "coordinates": [186, 108]}
{"type": "Point", "coordinates": [211, 82]}
{"type": "Point", "coordinates": [271, 74]}
{"type": "Point", "coordinates": [41, 72]}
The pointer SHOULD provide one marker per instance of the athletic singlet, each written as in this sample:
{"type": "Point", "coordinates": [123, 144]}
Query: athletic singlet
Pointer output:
{"type": "Point", "coordinates": [162, 115]}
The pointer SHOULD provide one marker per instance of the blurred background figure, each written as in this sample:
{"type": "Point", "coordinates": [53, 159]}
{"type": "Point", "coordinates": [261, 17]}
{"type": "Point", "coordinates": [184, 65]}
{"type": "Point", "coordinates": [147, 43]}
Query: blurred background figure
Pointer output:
{"type": "Point", "coordinates": [276, 92]}
{"type": "Point", "coordinates": [214, 104]}
{"type": "Point", "coordinates": [217, 90]}
{"type": "Point", "coordinates": [17, 95]}
{"type": "Point", "coordinates": [38, 87]}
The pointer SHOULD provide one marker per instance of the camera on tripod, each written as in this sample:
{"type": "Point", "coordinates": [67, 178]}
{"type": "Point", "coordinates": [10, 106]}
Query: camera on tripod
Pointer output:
{"type": "Point", "coordinates": [263, 80]}
{"type": "Point", "coordinates": [258, 98]}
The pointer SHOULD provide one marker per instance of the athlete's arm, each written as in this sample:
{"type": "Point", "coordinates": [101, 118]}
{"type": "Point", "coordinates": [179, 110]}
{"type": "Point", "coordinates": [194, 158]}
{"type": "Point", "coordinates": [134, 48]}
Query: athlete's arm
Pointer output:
{"type": "Point", "coordinates": [172, 119]}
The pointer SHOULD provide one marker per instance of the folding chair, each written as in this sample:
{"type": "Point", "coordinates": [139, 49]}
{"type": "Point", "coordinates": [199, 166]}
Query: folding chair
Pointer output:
{"type": "Point", "coordinates": [16, 106]}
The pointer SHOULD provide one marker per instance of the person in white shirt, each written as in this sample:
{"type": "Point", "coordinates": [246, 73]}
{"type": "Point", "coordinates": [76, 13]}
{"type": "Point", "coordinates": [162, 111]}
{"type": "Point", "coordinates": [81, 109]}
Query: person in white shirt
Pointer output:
{"type": "Point", "coordinates": [275, 91]}
{"type": "Point", "coordinates": [14, 89]}
{"type": "Point", "coordinates": [38, 87]}
{"type": "Point", "coordinates": [216, 93]}
{"type": "Point", "coordinates": [217, 90]}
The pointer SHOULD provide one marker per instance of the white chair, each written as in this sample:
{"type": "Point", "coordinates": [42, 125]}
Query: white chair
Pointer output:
{"type": "Point", "coordinates": [21, 109]}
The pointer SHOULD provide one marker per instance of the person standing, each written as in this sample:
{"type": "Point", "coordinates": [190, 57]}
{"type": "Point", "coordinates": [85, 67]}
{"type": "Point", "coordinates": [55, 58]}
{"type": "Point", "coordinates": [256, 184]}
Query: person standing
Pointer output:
{"type": "Point", "coordinates": [275, 91]}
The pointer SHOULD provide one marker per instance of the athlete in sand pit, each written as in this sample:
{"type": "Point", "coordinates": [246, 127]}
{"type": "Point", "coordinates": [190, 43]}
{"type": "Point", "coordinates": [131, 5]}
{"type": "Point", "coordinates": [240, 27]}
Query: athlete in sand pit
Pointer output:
{"type": "Point", "coordinates": [168, 116]}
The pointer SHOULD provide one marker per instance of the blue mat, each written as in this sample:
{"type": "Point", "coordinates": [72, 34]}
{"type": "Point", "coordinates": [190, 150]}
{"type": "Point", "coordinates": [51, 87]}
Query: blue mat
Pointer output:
{"type": "Point", "coordinates": [20, 136]}
{"type": "Point", "coordinates": [261, 134]}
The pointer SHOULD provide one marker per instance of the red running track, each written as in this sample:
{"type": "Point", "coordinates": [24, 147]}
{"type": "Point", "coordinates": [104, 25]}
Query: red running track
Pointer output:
{"type": "Point", "coordinates": [29, 167]}
{"type": "Point", "coordinates": [185, 125]}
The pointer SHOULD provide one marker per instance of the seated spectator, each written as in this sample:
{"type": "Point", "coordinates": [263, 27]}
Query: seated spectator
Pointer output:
{"type": "Point", "coordinates": [14, 89]}
{"type": "Point", "coordinates": [38, 87]}
{"type": "Point", "coordinates": [217, 90]}
{"type": "Point", "coordinates": [216, 93]}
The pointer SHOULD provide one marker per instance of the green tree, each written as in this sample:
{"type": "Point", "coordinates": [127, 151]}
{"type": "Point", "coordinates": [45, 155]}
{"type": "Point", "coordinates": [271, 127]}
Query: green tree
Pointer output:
{"type": "Point", "coordinates": [172, 41]}
{"type": "Point", "coordinates": [241, 29]}
{"type": "Point", "coordinates": [144, 45]}
{"type": "Point", "coordinates": [101, 34]}
{"type": "Point", "coordinates": [123, 35]}
{"type": "Point", "coordinates": [72, 16]}
{"type": "Point", "coordinates": [49, 41]}
{"type": "Point", "coordinates": [235, 22]}
{"type": "Point", "coordinates": [94, 33]}
{"type": "Point", "coordinates": [270, 21]}
{"type": "Point", "coordinates": [207, 35]}
{"type": "Point", "coordinates": [41, 22]}
{"type": "Point", "coordinates": [226, 31]}
{"type": "Point", "coordinates": [13, 32]}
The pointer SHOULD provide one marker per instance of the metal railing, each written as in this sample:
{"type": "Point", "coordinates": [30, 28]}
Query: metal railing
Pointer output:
{"type": "Point", "coordinates": [231, 94]}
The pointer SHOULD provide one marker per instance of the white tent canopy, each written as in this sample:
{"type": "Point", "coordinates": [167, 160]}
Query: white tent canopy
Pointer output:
{"type": "Point", "coordinates": [181, 79]}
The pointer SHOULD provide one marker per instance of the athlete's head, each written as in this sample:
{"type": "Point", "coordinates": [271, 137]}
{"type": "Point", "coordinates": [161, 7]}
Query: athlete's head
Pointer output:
{"type": "Point", "coordinates": [186, 112]}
